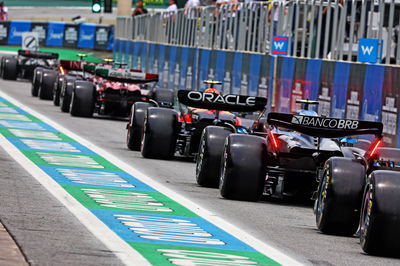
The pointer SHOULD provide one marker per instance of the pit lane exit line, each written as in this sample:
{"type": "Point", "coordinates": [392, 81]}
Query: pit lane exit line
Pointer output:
{"type": "Point", "coordinates": [98, 227]}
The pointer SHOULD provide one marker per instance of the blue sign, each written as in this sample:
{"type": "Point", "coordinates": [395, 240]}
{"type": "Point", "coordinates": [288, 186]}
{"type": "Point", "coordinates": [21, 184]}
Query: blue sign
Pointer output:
{"type": "Point", "coordinates": [55, 34]}
{"type": "Point", "coordinates": [280, 45]}
{"type": "Point", "coordinates": [16, 30]}
{"type": "Point", "coordinates": [86, 35]}
{"type": "Point", "coordinates": [368, 50]}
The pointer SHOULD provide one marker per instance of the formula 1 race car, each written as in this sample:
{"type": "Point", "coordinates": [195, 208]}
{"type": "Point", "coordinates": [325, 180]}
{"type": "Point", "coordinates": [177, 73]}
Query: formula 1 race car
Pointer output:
{"type": "Point", "coordinates": [286, 160]}
{"type": "Point", "coordinates": [167, 131]}
{"type": "Point", "coordinates": [24, 64]}
{"type": "Point", "coordinates": [362, 193]}
{"type": "Point", "coordinates": [114, 91]}
{"type": "Point", "coordinates": [70, 69]}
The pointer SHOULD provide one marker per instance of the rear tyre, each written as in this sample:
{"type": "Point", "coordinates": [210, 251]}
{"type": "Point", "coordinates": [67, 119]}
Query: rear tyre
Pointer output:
{"type": "Point", "coordinates": [164, 97]}
{"type": "Point", "coordinates": [37, 77]}
{"type": "Point", "coordinates": [135, 126]}
{"type": "Point", "coordinates": [380, 215]}
{"type": "Point", "coordinates": [208, 159]}
{"type": "Point", "coordinates": [338, 204]}
{"type": "Point", "coordinates": [82, 102]}
{"type": "Point", "coordinates": [160, 133]}
{"type": "Point", "coordinates": [57, 90]}
{"type": "Point", "coordinates": [10, 70]}
{"type": "Point", "coordinates": [46, 87]}
{"type": "Point", "coordinates": [66, 93]}
{"type": "Point", "coordinates": [243, 167]}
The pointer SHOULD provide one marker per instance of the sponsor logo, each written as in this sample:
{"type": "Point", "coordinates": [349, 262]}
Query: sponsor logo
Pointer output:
{"type": "Point", "coordinates": [125, 75]}
{"type": "Point", "coordinates": [223, 99]}
{"type": "Point", "coordinates": [101, 35]}
{"type": "Point", "coordinates": [324, 122]}
{"type": "Point", "coordinates": [56, 36]}
{"type": "Point", "coordinates": [16, 33]}
{"type": "Point", "coordinates": [86, 37]}
{"type": "Point", "coordinates": [71, 34]}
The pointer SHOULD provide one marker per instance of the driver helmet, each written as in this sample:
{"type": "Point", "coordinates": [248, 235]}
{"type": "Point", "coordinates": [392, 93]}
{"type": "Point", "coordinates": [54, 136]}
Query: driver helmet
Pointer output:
{"type": "Point", "coordinates": [212, 90]}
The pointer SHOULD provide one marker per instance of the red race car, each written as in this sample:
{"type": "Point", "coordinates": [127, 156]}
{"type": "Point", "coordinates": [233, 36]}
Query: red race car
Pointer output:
{"type": "Point", "coordinates": [113, 91]}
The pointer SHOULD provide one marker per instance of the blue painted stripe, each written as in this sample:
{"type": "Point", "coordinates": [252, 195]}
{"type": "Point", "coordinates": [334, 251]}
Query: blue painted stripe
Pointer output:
{"type": "Point", "coordinates": [221, 239]}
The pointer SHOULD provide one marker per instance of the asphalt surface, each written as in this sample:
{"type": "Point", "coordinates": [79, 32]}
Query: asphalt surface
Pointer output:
{"type": "Point", "coordinates": [286, 225]}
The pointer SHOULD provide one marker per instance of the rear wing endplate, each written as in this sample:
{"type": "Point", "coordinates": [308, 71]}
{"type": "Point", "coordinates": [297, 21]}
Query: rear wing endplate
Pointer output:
{"type": "Point", "coordinates": [324, 127]}
{"type": "Point", "coordinates": [229, 102]}
{"type": "Point", "coordinates": [36, 54]}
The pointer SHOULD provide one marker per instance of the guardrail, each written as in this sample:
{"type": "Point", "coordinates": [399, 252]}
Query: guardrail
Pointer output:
{"type": "Point", "coordinates": [59, 34]}
{"type": "Point", "coordinates": [325, 29]}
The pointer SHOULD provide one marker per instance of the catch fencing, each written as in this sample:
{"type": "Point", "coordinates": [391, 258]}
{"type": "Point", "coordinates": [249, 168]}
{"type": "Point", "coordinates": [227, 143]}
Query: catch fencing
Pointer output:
{"type": "Point", "coordinates": [316, 29]}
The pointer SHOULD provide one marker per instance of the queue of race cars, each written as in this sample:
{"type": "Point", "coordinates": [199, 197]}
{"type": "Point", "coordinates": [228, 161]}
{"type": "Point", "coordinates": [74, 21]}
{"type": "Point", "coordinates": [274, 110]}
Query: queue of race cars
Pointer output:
{"type": "Point", "coordinates": [338, 163]}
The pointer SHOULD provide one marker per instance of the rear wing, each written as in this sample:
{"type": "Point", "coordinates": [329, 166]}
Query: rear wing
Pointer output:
{"type": "Point", "coordinates": [125, 76]}
{"type": "Point", "coordinates": [324, 127]}
{"type": "Point", "coordinates": [36, 54]}
{"type": "Point", "coordinates": [229, 102]}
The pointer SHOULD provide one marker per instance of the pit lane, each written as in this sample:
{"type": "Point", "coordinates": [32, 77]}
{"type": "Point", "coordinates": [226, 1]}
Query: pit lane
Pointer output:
{"type": "Point", "coordinates": [288, 226]}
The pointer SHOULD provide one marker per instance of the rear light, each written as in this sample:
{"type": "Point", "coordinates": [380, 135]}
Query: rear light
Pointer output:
{"type": "Point", "coordinates": [274, 142]}
{"type": "Point", "coordinates": [186, 118]}
{"type": "Point", "coordinates": [62, 70]}
{"type": "Point", "coordinates": [238, 121]}
{"type": "Point", "coordinates": [375, 147]}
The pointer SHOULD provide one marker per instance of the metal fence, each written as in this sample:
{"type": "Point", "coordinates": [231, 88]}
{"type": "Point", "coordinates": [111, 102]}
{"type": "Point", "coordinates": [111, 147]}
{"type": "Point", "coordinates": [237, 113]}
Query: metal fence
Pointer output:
{"type": "Point", "coordinates": [329, 29]}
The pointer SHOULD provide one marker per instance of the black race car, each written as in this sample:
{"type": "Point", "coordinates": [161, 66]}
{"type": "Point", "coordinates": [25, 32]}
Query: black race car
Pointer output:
{"type": "Point", "coordinates": [362, 193]}
{"type": "Point", "coordinates": [24, 64]}
{"type": "Point", "coordinates": [289, 158]}
{"type": "Point", "coordinates": [160, 132]}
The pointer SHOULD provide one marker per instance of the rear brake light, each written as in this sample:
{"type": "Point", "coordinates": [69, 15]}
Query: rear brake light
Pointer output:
{"type": "Point", "coordinates": [274, 142]}
{"type": "Point", "coordinates": [375, 147]}
{"type": "Point", "coordinates": [187, 118]}
{"type": "Point", "coordinates": [238, 121]}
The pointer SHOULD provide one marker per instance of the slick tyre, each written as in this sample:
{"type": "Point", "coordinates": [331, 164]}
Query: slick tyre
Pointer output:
{"type": "Point", "coordinates": [135, 126]}
{"type": "Point", "coordinates": [338, 203]}
{"type": "Point", "coordinates": [57, 90]}
{"type": "Point", "coordinates": [66, 93]}
{"type": "Point", "coordinates": [164, 97]}
{"type": "Point", "coordinates": [243, 167]}
{"type": "Point", "coordinates": [37, 77]}
{"type": "Point", "coordinates": [380, 215]}
{"type": "Point", "coordinates": [10, 68]}
{"type": "Point", "coordinates": [160, 133]}
{"type": "Point", "coordinates": [82, 102]}
{"type": "Point", "coordinates": [46, 87]}
{"type": "Point", "coordinates": [208, 159]}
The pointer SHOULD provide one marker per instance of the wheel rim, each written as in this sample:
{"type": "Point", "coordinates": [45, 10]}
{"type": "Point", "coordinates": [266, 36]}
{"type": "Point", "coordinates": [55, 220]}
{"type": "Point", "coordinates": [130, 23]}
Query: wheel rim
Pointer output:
{"type": "Point", "coordinates": [366, 214]}
{"type": "Point", "coordinates": [223, 170]}
{"type": "Point", "coordinates": [200, 156]}
{"type": "Point", "coordinates": [322, 197]}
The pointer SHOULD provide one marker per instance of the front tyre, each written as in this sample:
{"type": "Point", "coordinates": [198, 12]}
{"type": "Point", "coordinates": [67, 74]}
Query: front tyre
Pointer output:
{"type": "Point", "coordinates": [243, 167]}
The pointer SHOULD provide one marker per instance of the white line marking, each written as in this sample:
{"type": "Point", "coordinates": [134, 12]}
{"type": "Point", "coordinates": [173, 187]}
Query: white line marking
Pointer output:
{"type": "Point", "coordinates": [260, 246]}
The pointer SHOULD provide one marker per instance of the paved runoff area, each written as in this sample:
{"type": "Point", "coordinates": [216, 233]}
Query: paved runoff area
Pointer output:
{"type": "Point", "coordinates": [141, 221]}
